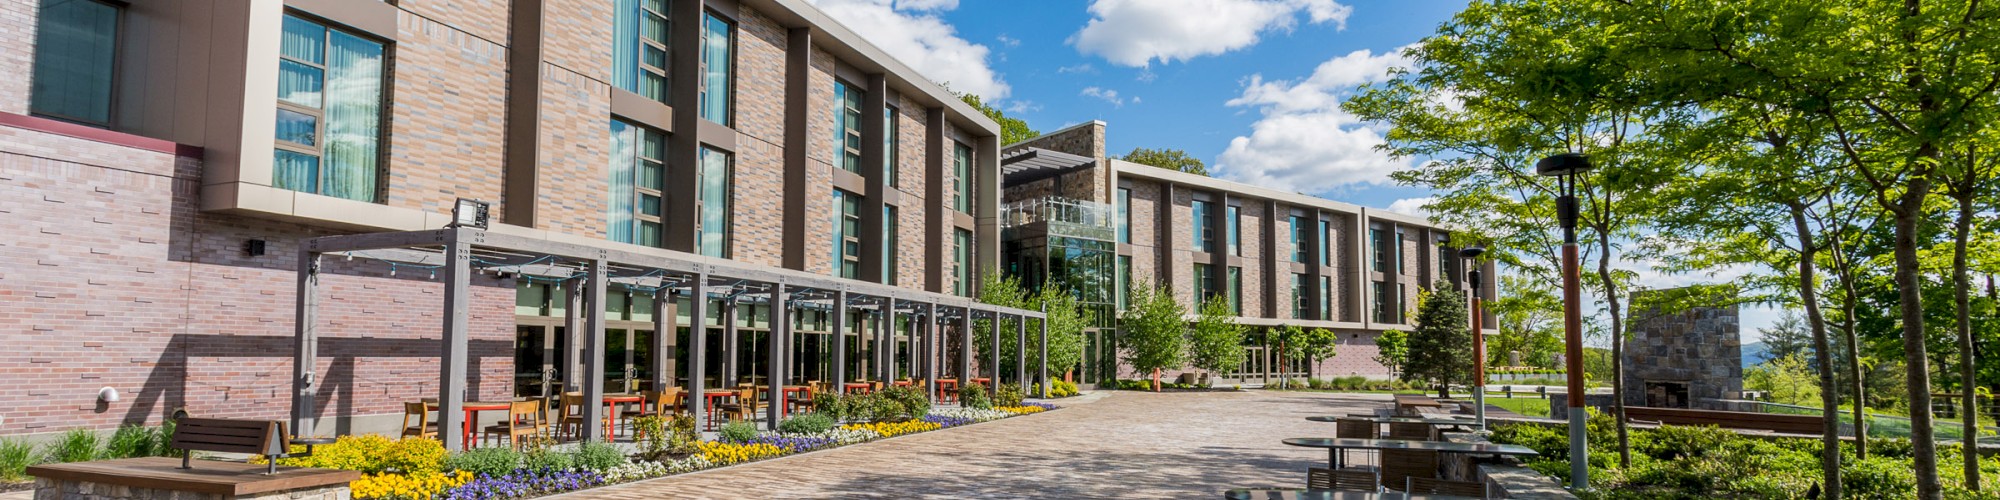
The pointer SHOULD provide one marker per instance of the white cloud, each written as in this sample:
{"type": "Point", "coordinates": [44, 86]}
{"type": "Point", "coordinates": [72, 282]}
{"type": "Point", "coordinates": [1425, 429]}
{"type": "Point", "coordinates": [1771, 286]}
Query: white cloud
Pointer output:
{"type": "Point", "coordinates": [1304, 141]}
{"type": "Point", "coordinates": [911, 31]}
{"type": "Point", "coordinates": [1008, 40]}
{"type": "Point", "coordinates": [1080, 68]}
{"type": "Point", "coordinates": [1135, 99]}
{"type": "Point", "coordinates": [1110, 96]}
{"type": "Point", "coordinates": [1020, 107]}
{"type": "Point", "coordinates": [1136, 32]}
{"type": "Point", "coordinates": [1412, 206]}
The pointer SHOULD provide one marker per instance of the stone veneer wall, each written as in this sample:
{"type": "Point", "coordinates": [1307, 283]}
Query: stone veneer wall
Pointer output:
{"type": "Point", "coordinates": [1701, 346]}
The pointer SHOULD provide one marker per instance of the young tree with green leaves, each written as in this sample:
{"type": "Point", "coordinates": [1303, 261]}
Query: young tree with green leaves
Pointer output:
{"type": "Point", "coordinates": [1441, 345]}
{"type": "Point", "coordinates": [1154, 332]}
{"type": "Point", "coordinates": [1012, 130]}
{"type": "Point", "coordinates": [1067, 321]}
{"type": "Point", "coordinates": [1392, 350]}
{"type": "Point", "coordinates": [1170, 159]}
{"type": "Point", "coordinates": [1787, 380]}
{"type": "Point", "coordinates": [1530, 322]}
{"type": "Point", "coordinates": [1215, 343]}
{"type": "Point", "coordinates": [1311, 346]}
{"type": "Point", "coordinates": [1002, 291]}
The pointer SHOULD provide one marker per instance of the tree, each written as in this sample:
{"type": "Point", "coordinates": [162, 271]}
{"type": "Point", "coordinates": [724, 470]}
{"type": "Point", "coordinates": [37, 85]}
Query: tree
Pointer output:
{"type": "Point", "coordinates": [1441, 345]}
{"type": "Point", "coordinates": [1067, 319]}
{"type": "Point", "coordinates": [1787, 380]}
{"type": "Point", "coordinates": [1215, 343]}
{"type": "Point", "coordinates": [1012, 130]}
{"type": "Point", "coordinates": [1530, 322]}
{"type": "Point", "coordinates": [1154, 332]}
{"type": "Point", "coordinates": [1170, 159]}
{"type": "Point", "coordinates": [1311, 346]}
{"type": "Point", "coordinates": [1787, 337]}
{"type": "Point", "coordinates": [1392, 350]}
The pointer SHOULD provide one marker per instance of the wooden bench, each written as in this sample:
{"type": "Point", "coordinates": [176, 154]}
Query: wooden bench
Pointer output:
{"type": "Point", "coordinates": [1790, 424]}
{"type": "Point", "coordinates": [256, 437]}
{"type": "Point", "coordinates": [160, 477]}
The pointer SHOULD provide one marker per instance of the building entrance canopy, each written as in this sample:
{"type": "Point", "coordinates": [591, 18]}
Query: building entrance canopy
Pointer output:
{"type": "Point", "coordinates": [597, 264]}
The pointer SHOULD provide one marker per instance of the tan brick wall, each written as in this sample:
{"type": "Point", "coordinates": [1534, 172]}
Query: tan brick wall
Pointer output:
{"type": "Point", "coordinates": [575, 143]}
{"type": "Point", "coordinates": [485, 19]}
{"type": "Point", "coordinates": [757, 229]}
{"type": "Point", "coordinates": [1252, 215]}
{"type": "Point", "coordinates": [760, 78]}
{"type": "Point", "coordinates": [17, 50]}
{"type": "Point", "coordinates": [448, 136]}
{"type": "Point", "coordinates": [821, 214]}
{"type": "Point", "coordinates": [1180, 244]}
{"type": "Point", "coordinates": [577, 36]}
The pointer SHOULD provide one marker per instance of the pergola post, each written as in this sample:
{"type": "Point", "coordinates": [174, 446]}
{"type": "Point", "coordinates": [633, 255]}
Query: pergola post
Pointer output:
{"type": "Point", "coordinates": [729, 361]}
{"type": "Point", "coordinates": [662, 364]}
{"type": "Point", "coordinates": [1021, 352]}
{"type": "Point", "coordinates": [781, 327]}
{"type": "Point", "coordinates": [994, 353]}
{"type": "Point", "coordinates": [930, 351]}
{"type": "Point", "coordinates": [839, 341]}
{"type": "Point", "coordinates": [965, 349]}
{"type": "Point", "coordinates": [572, 364]}
{"type": "Point", "coordinates": [305, 349]}
{"type": "Point", "coordinates": [697, 402]}
{"type": "Point", "coordinates": [457, 272]}
{"type": "Point", "coordinates": [885, 323]}
{"type": "Point", "coordinates": [1043, 354]}
{"type": "Point", "coordinates": [593, 355]}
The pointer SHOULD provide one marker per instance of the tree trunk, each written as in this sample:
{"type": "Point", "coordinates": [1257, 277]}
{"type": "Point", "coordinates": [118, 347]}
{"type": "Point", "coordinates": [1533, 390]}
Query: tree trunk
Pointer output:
{"type": "Point", "coordinates": [1909, 284]}
{"type": "Point", "coordinates": [1617, 348]}
{"type": "Point", "coordinates": [1156, 380]}
{"type": "Point", "coordinates": [1851, 326]}
{"type": "Point", "coordinates": [1963, 297]}
{"type": "Point", "coordinates": [1829, 456]}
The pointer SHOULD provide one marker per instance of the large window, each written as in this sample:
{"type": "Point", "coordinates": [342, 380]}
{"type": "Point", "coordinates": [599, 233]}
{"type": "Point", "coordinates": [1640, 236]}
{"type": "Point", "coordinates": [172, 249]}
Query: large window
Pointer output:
{"type": "Point", "coordinates": [1383, 313]}
{"type": "Point", "coordinates": [718, 52]}
{"type": "Point", "coordinates": [1299, 296]}
{"type": "Point", "coordinates": [1234, 222]}
{"type": "Point", "coordinates": [961, 167]}
{"type": "Point", "coordinates": [1298, 239]}
{"type": "Point", "coordinates": [1396, 252]}
{"type": "Point", "coordinates": [76, 52]}
{"type": "Point", "coordinates": [846, 235]}
{"type": "Point", "coordinates": [717, 179]}
{"type": "Point", "coordinates": [1325, 242]}
{"type": "Point", "coordinates": [847, 125]}
{"type": "Point", "coordinates": [640, 54]}
{"type": "Point", "coordinates": [1377, 242]}
{"type": "Point", "coordinates": [962, 262]}
{"type": "Point", "coordinates": [638, 170]}
{"type": "Point", "coordinates": [1124, 215]}
{"type": "Point", "coordinates": [889, 244]}
{"type": "Point", "coordinates": [329, 114]}
{"type": "Point", "coordinates": [1204, 230]}
{"type": "Point", "coordinates": [1204, 283]}
{"type": "Point", "coordinates": [891, 140]}
{"type": "Point", "coordinates": [1326, 297]}
{"type": "Point", "coordinates": [1124, 290]}
{"type": "Point", "coordinates": [1236, 290]}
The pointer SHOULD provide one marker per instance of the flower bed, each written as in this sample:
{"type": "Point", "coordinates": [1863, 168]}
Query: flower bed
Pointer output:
{"type": "Point", "coordinates": [416, 468]}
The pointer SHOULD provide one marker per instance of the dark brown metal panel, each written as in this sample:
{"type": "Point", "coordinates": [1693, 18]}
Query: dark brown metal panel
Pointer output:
{"type": "Point", "coordinates": [798, 128]}
{"type": "Point", "coordinates": [937, 220]}
{"type": "Point", "coordinates": [522, 159]}
{"type": "Point", "coordinates": [642, 110]}
{"type": "Point", "coordinates": [377, 19]}
{"type": "Point", "coordinates": [684, 146]}
{"type": "Point", "coordinates": [872, 155]}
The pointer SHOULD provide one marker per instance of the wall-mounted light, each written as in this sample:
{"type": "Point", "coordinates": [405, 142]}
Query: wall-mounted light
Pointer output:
{"type": "Point", "coordinates": [108, 395]}
{"type": "Point", "coordinates": [469, 213]}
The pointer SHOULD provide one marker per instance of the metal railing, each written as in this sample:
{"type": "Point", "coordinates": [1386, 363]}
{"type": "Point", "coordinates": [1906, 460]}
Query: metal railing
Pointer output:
{"type": "Point", "coordinates": [1056, 210]}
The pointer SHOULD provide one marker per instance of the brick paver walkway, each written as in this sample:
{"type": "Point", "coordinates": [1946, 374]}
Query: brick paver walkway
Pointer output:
{"type": "Point", "coordinates": [1105, 445]}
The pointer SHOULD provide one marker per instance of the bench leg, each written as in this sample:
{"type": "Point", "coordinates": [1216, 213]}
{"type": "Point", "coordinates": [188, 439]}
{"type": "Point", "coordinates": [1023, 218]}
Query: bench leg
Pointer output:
{"type": "Point", "coordinates": [186, 458]}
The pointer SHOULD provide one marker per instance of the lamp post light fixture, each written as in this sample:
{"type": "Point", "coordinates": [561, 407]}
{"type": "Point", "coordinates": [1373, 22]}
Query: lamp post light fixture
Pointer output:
{"type": "Point", "coordinates": [469, 213]}
{"type": "Point", "coordinates": [1471, 255]}
{"type": "Point", "coordinates": [1565, 167]}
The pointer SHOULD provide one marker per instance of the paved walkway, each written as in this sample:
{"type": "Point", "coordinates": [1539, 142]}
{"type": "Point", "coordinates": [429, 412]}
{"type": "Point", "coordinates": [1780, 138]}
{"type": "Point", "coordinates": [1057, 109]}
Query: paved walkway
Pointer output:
{"type": "Point", "coordinates": [1104, 445]}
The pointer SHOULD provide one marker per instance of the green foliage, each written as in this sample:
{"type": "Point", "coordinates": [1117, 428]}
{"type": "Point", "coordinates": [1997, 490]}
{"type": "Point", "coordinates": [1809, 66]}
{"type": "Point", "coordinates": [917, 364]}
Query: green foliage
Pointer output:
{"type": "Point", "coordinates": [809, 423]}
{"type": "Point", "coordinates": [738, 432]}
{"type": "Point", "coordinates": [1215, 343]}
{"type": "Point", "coordinates": [682, 436]}
{"type": "Point", "coordinates": [15, 457]}
{"type": "Point", "coordinates": [1012, 130]}
{"type": "Point", "coordinates": [653, 429]}
{"type": "Point", "coordinates": [908, 402]}
{"type": "Point", "coordinates": [972, 395]}
{"type": "Point", "coordinates": [546, 459]}
{"type": "Point", "coordinates": [1440, 351]}
{"type": "Point", "coordinates": [1008, 395]}
{"type": "Point", "coordinates": [1529, 320]}
{"type": "Point", "coordinates": [163, 440]}
{"type": "Point", "coordinates": [1392, 349]}
{"type": "Point", "coordinates": [76, 445]}
{"type": "Point", "coordinates": [600, 456]}
{"type": "Point", "coordinates": [831, 405]}
{"type": "Point", "coordinates": [132, 441]}
{"type": "Point", "coordinates": [1170, 159]}
{"type": "Point", "coordinates": [491, 462]}
{"type": "Point", "coordinates": [1155, 330]}
{"type": "Point", "coordinates": [1066, 321]}
{"type": "Point", "coordinates": [1058, 389]}
{"type": "Point", "coordinates": [1350, 383]}
{"type": "Point", "coordinates": [1788, 380]}
{"type": "Point", "coordinates": [1312, 346]}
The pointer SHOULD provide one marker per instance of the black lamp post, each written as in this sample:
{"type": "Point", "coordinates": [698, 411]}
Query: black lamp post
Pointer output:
{"type": "Point", "coordinates": [1471, 255]}
{"type": "Point", "coordinates": [1565, 167]}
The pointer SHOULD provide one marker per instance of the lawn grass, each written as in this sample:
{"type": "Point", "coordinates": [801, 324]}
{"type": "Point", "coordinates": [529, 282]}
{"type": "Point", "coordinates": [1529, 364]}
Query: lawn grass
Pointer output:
{"type": "Point", "coordinates": [1532, 407]}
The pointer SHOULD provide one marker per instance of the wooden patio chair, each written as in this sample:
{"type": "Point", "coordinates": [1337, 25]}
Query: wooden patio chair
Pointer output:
{"type": "Point", "coordinates": [1320, 478]}
{"type": "Point", "coordinates": [1427, 486]}
{"type": "Point", "coordinates": [423, 427]}
{"type": "Point", "coordinates": [1355, 428]}
{"type": "Point", "coordinates": [1398, 466]}
{"type": "Point", "coordinates": [1411, 431]}
{"type": "Point", "coordinates": [523, 419]}
{"type": "Point", "coordinates": [743, 409]}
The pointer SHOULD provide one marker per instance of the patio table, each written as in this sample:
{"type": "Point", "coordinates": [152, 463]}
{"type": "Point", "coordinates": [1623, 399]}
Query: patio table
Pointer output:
{"type": "Point", "coordinates": [472, 409]}
{"type": "Point", "coordinates": [712, 396]}
{"type": "Point", "coordinates": [1303, 494]}
{"type": "Point", "coordinates": [617, 403]}
{"type": "Point", "coordinates": [1334, 445]}
{"type": "Point", "coordinates": [855, 387]}
{"type": "Point", "coordinates": [947, 387]}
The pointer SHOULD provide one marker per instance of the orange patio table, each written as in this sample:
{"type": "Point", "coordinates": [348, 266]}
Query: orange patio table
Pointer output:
{"type": "Point", "coordinates": [472, 409]}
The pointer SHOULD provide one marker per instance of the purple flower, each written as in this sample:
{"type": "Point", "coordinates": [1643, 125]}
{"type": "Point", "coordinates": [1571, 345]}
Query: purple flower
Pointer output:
{"type": "Point", "coordinates": [1044, 406]}
{"type": "Point", "coordinates": [944, 421]}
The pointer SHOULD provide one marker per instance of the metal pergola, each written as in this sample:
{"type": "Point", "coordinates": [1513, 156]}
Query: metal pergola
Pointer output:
{"type": "Point", "coordinates": [595, 264]}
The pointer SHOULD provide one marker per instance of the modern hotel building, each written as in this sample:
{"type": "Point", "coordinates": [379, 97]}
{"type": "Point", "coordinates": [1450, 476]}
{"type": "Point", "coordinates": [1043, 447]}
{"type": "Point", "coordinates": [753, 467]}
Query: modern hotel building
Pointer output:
{"type": "Point", "coordinates": [1077, 218]}
{"type": "Point", "coordinates": [163, 161]}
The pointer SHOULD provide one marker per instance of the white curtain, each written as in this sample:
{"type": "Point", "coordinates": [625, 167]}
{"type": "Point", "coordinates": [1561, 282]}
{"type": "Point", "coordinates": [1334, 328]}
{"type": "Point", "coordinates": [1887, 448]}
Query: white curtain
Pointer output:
{"type": "Point", "coordinates": [624, 153]}
{"type": "Point", "coordinates": [353, 116]}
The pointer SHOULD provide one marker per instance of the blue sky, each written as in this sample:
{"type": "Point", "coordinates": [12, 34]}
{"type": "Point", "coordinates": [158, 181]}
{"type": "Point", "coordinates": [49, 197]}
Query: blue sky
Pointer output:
{"type": "Point", "coordinates": [1252, 87]}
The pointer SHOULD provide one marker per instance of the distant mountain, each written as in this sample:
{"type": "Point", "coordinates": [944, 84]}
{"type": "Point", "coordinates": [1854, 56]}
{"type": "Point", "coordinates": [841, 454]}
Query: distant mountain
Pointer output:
{"type": "Point", "coordinates": [1755, 353]}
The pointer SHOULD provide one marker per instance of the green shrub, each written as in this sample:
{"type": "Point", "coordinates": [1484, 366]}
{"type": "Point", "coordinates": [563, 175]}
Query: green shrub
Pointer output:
{"type": "Point", "coordinates": [77, 445]}
{"type": "Point", "coordinates": [163, 440]}
{"type": "Point", "coordinates": [831, 405]}
{"type": "Point", "coordinates": [544, 459]}
{"type": "Point", "coordinates": [1008, 395]}
{"type": "Point", "coordinates": [599, 456]}
{"type": "Point", "coordinates": [490, 462]}
{"type": "Point", "coordinates": [15, 457]}
{"type": "Point", "coordinates": [1319, 383]}
{"type": "Point", "coordinates": [1673, 442]}
{"type": "Point", "coordinates": [909, 402]}
{"type": "Point", "coordinates": [809, 423]}
{"type": "Point", "coordinates": [738, 432]}
{"type": "Point", "coordinates": [653, 429]}
{"type": "Point", "coordinates": [974, 396]}
{"type": "Point", "coordinates": [130, 441]}
{"type": "Point", "coordinates": [1065, 388]}
{"type": "Point", "coordinates": [682, 438]}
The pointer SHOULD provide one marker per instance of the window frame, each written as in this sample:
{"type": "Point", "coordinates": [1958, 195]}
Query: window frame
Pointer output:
{"type": "Point", "coordinates": [639, 190]}
{"type": "Point", "coordinates": [962, 169]}
{"type": "Point", "coordinates": [1204, 230]}
{"type": "Point", "coordinates": [847, 210]}
{"type": "Point", "coordinates": [892, 141]}
{"type": "Point", "coordinates": [1233, 227]}
{"type": "Point", "coordinates": [891, 232]}
{"type": "Point", "coordinates": [382, 113]}
{"type": "Point", "coordinates": [729, 76]}
{"type": "Point", "coordinates": [117, 59]}
{"type": "Point", "coordinates": [1124, 213]}
{"type": "Point", "coordinates": [847, 126]}
{"type": "Point", "coordinates": [1234, 279]}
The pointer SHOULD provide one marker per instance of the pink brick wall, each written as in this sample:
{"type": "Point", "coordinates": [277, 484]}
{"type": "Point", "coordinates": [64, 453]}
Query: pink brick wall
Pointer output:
{"type": "Point", "coordinates": [575, 143]}
{"type": "Point", "coordinates": [485, 19]}
{"type": "Point", "coordinates": [17, 34]}
{"type": "Point", "coordinates": [447, 136]}
{"type": "Point", "coordinates": [577, 36]}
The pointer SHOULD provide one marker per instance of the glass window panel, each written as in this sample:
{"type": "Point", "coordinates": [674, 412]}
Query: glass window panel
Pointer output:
{"type": "Point", "coordinates": [890, 131]}
{"type": "Point", "coordinates": [625, 44]}
{"type": "Point", "coordinates": [1234, 220]}
{"type": "Point", "coordinates": [1124, 215]}
{"type": "Point", "coordinates": [76, 46]}
{"type": "Point", "coordinates": [650, 173]}
{"type": "Point", "coordinates": [649, 234]}
{"type": "Point", "coordinates": [962, 166]}
{"type": "Point", "coordinates": [718, 44]}
{"type": "Point", "coordinates": [299, 84]}
{"type": "Point", "coordinates": [889, 244]}
{"type": "Point", "coordinates": [294, 171]}
{"type": "Point", "coordinates": [297, 128]}
{"type": "Point", "coordinates": [715, 200]}
{"type": "Point", "coordinates": [303, 40]}
{"type": "Point", "coordinates": [618, 211]}
{"type": "Point", "coordinates": [529, 298]}
{"type": "Point", "coordinates": [353, 116]}
{"type": "Point", "coordinates": [649, 205]}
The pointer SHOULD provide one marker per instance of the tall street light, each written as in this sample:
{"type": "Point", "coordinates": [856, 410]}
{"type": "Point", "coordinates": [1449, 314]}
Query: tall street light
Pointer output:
{"type": "Point", "coordinates": [1565, 167]}
{"type": "Point", "coordinates": [1471, 255]}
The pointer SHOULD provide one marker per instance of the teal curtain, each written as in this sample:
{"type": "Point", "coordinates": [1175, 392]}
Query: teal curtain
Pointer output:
{"type": "Point", "coordinates": [76, 43]}
{"type": "Point", "coordinates": [715, 201]}
{"type": "Point", "coordinates": [624, 156]}
{"type": "Point", "coordinates": [353, 116]}
{"type": "Point", "coordinates": [625, 44]}
{"type": "Point", "coordinates": [295, 171]}
{"type": "Point", "coordinates": [839, 236]}
{"type": "Point", "coordinates": [718, 45]}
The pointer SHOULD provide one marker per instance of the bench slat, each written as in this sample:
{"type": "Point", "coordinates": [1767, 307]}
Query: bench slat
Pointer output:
{"type": "Point", "coordinates": [218, 440]}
